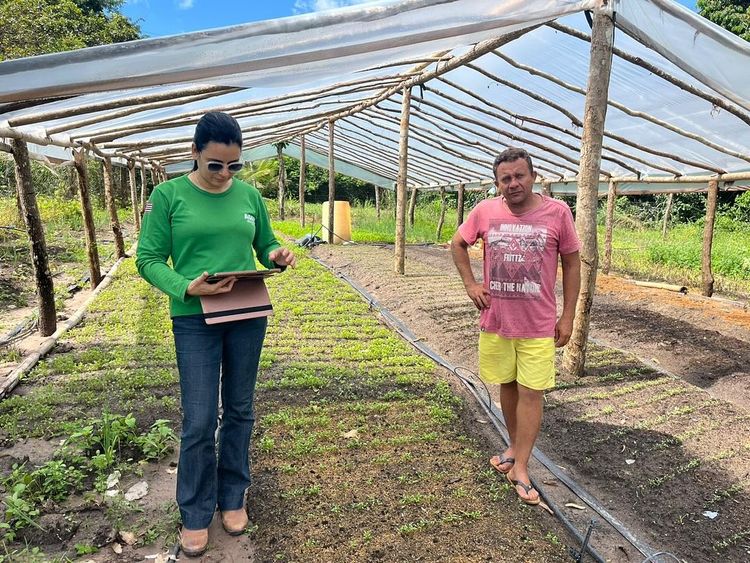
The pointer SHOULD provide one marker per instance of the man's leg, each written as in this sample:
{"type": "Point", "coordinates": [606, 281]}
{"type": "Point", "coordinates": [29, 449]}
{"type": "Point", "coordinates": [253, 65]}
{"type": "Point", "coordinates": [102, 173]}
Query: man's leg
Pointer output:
{"type": "Point", "coordinates": [528, 421]}
{"type": "Point", "coordinates": [509, 405]}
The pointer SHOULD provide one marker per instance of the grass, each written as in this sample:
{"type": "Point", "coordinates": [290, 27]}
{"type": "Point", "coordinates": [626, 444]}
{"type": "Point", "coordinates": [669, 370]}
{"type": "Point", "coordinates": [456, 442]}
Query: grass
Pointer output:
{"type": "Point", "coordinates": [643, 253]}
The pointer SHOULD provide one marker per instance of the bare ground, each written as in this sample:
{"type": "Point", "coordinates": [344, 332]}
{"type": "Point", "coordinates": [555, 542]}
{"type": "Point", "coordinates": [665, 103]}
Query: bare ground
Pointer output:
{"type": "Point", "coordinates": [658, 430]}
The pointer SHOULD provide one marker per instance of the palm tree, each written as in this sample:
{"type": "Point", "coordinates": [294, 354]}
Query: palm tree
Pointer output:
{"type": "Point", "coordinates": [261, 173]}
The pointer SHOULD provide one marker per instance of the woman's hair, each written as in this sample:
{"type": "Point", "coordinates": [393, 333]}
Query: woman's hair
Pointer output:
{"type": "Point", "coordinates": [216, 127]}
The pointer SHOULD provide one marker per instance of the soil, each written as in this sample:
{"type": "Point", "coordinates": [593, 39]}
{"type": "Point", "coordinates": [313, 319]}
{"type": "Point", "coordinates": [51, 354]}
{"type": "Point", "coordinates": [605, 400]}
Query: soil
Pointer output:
{"type": "Point", "coordinates": [658, 430]}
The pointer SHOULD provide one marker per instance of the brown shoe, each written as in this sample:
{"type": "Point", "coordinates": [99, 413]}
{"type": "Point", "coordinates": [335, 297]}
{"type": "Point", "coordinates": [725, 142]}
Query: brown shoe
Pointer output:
{"type": "Point", "coordinates": [194, 543]}
{"type": "Point", "coordinates": [234, 521]}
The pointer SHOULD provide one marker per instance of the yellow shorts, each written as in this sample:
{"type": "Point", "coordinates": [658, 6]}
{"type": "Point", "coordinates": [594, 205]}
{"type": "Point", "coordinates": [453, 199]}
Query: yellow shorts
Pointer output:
{"type": "Point", "coordinates": [529, 361]}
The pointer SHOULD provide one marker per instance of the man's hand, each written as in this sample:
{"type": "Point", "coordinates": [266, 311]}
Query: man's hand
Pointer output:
{"type": "Point", "coordinates": [199, 286]}
{"type": "Point", "coordinates": [563, 331]}
{"type": "Point", "coordinates": [479, 294]}
{"type": "Point", "coordinates": [283, 257]}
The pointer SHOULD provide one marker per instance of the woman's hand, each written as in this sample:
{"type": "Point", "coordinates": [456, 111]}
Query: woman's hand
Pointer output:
{"type": "Point", "coordinates": [283, 257]}
{"type": "Point", "coordinates": [199, 286]}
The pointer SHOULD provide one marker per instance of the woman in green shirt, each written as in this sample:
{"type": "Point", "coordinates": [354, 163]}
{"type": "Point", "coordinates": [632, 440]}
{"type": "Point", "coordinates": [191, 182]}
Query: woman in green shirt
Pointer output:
{"type": "Point", "coordinates": [208, 221]}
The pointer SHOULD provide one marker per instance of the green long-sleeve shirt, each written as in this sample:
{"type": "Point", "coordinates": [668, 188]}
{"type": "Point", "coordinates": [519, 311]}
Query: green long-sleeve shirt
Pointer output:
{"type": "Point", "coordinates": [201, 232]}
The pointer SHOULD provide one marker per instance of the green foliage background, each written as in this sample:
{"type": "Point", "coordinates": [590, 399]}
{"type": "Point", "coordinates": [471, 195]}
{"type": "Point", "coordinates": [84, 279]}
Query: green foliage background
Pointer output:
{"type": "Point", "coordinates": [36, 27]}
{"type": "Point", "coordinates": [731, 15]}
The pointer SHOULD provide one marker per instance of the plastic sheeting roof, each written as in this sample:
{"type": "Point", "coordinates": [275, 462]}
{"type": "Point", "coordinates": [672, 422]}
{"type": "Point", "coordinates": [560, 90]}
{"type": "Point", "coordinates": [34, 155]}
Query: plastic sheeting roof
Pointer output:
{"type": "Point", "coordinates": [282, 78]}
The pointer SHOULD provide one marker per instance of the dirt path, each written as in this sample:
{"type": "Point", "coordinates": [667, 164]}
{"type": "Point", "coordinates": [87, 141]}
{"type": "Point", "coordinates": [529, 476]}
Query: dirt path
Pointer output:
{"type": "Point", "coordinates": [663, 453]}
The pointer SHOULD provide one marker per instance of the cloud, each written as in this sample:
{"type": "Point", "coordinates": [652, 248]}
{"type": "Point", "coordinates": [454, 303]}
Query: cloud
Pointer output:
{"type": "Point", "coordinates": [184, 4]}
{"type": "Point", "coordinates": [304, 6]}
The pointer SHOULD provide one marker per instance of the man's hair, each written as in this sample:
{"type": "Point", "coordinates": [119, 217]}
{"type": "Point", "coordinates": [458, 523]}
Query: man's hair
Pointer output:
{"type": "Point", "coordinates": [511, 155]}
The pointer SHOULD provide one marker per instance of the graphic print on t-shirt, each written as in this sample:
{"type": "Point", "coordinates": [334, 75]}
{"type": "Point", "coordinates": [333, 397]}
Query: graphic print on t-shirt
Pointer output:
{"type": "Point", "coordinates": [515, 252]}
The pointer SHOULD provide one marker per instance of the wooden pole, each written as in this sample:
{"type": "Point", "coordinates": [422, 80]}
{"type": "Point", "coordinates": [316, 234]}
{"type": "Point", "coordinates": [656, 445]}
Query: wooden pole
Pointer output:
{"type": "Point", "coordinates": [144, 188]}
{"type": "Point", "coordinates": [134, 195]}
{"type": "Point", "coordinates": [611, 198]}
{"type": "Point", "coordinates": [282, 180]}
{"type": "Point", "coordinates": [403, 155]}
{"type": "Point", "coordinates": [412, 205]}
{"type": "Point", "coordinates": [667, 213]}
{"type": "Point", "coordinates": [708, 238]}
{"type": "Point", "coordinates": [89, 230]}
{"type": "Point", "coordinates": [441, 219]}
{"type": "Point", "coordinates": [547, 188]}
{"type": "Point", "coordinates": [154, 175]}
{"type": "Point", "coordinates": [30, 211]}
{"type": "Point", "coordinates": [331, 182]}
{"type": "Point", "coordinates": [109, 202]}
{"type": "Point", "coordinates": [377, 202]}
{"type": "Point", "coordinates": [302, 180]}
{"type": "Point", "coordinates": [595, 112]}
{"type": "Point", "coordinates": [460, 205]}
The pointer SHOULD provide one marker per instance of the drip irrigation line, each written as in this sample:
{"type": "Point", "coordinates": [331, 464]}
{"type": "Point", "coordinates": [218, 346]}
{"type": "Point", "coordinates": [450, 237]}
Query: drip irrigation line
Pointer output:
{"type": "Point", "coordinates": [498, 422]}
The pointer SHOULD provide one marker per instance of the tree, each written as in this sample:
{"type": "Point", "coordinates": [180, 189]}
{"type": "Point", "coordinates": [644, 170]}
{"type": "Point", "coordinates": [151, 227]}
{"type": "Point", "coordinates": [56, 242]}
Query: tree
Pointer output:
{"type": "Point", "coordinates": [36, 27]}
{"type": "Point", "coordinates": [733, 15]}
{"type": "Point", "coordinates": [263, 174]}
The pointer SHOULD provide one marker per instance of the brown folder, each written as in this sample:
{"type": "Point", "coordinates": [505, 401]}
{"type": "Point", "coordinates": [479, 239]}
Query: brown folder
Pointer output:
{"type": "Point", "coordinates": [248, 300]}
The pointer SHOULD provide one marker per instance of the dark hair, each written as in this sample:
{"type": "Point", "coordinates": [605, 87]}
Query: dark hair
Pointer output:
{"type": "Point", "coordinates": [511, 155]}
{"type": "Point", "coordinates": [216, 127]}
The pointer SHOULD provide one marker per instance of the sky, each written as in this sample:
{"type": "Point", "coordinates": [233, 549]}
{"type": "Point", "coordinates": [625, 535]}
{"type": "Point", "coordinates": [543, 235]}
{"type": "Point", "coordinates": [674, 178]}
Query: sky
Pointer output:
{"type": "Point", "coordinates": [169, 17]}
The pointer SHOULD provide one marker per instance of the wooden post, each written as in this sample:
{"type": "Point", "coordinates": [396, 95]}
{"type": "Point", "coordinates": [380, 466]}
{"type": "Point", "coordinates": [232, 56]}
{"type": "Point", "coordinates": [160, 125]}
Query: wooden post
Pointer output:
{"type": "Point", "coordinates": [331, 183]}
{"type": "Point", "coordinates": [89, 230]}
{"type": "Point", "coordinates": [667, 213]}
{"type": "Point", "coordinates": [109, 202]}
{"type": "Point", "coordinates": [460, 206]}
{"type": "Point", "coordinates": [302, 180]}
{"type": "Point", "coordinates": [609, 224]}
{"type": "Point", "coordinates": [154, 175]}
{"type": "Point", "coordinates": [144, 189]}
{"type": "Point", "coordinates": [377, 202]}
{"type": "Point", "coordinates": [412, 205]}
{"type": "Point", "coordinates": [441, 219]}
{"type": "Point", "coordinates": [134, 195]}
{"type": "Point", "coordinates": [708, 237]}
{"type": "Point", "coordinates": [547, 188]}
{"type": "Point", "coordinates": [403, 155]}
{"type": "Point", "coordinates": [282, 180]}
{"type": "Point", "coordinates": [30, 211]}
{"type": "Point", "coordinates": [595, 112]}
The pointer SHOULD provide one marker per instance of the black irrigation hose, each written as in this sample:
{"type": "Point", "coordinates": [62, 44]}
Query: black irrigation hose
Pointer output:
{"type": "Point", "coordinates": [498, 422]}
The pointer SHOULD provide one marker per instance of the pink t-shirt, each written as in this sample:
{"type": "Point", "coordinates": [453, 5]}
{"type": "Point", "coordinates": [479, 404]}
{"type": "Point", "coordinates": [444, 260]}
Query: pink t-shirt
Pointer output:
{"type": "Point", "coordinates": [520, 263]}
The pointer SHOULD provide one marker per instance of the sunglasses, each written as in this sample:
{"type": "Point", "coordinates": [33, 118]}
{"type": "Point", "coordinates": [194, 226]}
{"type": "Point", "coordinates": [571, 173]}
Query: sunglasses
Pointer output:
{"type": "Point", "coordinates": [234, 167]}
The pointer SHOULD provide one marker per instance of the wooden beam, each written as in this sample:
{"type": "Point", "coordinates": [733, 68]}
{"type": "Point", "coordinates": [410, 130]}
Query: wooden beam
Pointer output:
{"type": "Point", "coordinates": [460, 206]}
{"type": "Point", "coordinates": [134, 195]}
{"type": "Point", "coordinates": [708, 238]}
{"type": "Point", "coordinates": [595, 111]}
{"type": "Point", "coordinates": [109, 202]}
{"type": "Point", "coordinates": [609, 225]}
{"type": "Point", "coordinates": [403, 155]}
{"type": "Point", "coordinates": [302, 179]}
{"type": "Point", "coordinates": [667, 213]}
{"type": "Point", "coordinates": [628, 111]}
{"type": "Point", "coordinates": [30, 211]}
{"type": "Point", "coordinates": [377, 202]}
{"type": "Point", "coordinates": [412, 205]}
{"type": "Point", "coordinates": [681, 84]}
{"type": "Point", "coordinates": [89, 229]}
{"type": "Point", "coordinates": [441, 219]}
{"type": "Point", "coordinates": [331, 182]}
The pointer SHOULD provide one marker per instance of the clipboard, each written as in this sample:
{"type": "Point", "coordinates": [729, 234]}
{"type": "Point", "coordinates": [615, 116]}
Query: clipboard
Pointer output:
{"type": "Point", "coordinates": [248, 299]}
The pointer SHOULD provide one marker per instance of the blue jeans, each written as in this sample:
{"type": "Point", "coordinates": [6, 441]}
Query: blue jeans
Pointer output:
{"type": "Point", "coordinates": [207, 355]}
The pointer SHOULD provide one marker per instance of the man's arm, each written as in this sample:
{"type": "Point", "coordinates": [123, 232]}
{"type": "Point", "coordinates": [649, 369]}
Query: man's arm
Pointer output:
{"type": "Point", "coordinates": [479, 294]}
{"type": "Point", "coordinates": [571, 278]}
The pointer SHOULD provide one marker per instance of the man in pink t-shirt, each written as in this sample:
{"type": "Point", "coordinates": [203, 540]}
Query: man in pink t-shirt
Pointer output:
{"type": "Point", "coordinates": [523, 235]}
